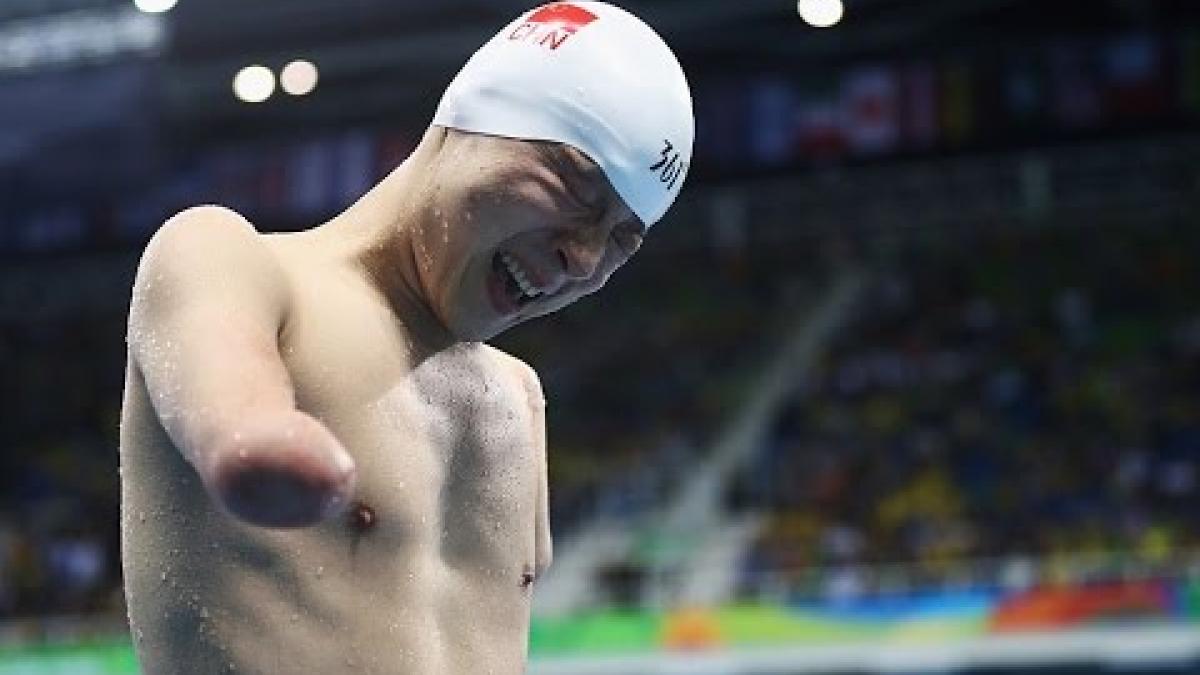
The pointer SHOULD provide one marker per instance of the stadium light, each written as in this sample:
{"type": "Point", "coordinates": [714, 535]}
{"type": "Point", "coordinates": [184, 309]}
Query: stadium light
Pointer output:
{"type": "Point", "coordinates": [254, 84]}
{"type": "Point", "coordinates": [821, 13]}
{"type": "Point", "coordinates": [155, 6]}
{"type": "Point", "coordinates": [299, 78]}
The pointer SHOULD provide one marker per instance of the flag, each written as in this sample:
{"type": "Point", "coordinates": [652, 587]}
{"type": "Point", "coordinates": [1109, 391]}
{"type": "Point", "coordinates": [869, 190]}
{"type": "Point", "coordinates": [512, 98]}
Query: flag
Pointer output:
{"type": "Point", "coordinates": [919, 106]}
{"type": "Point", "coordinates": [1026, 93]}
{"type": "Point", "coordinates": [355, 167]}
{"type": "Point", "coordinates": [1134, 72]}
{"type": "Point", "coordinates": [773, 121]}
{"type": "Point", "coordinates": [871, 110]}
{"type": "Point", "coordinates": [1189, 72]}
{"type": "Point", "coordinates": [820, 131]}
{"type": "Point", "coordinates": [1075, 88]}
{"type": "Point", "coordinates": [310, 178]}
{"type": "Point", "coordinates": [957, 103]}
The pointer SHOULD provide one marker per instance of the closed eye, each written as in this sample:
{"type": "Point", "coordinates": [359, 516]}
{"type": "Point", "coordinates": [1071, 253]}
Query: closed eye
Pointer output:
{"type": "Point", "coordinates": [628, 238]}
{"type": "Point", "coordinates": [583, 208]}
{"type": "Point", "coordinates": [588, 203]}
{"type": "Point", "coordinates": [577, 183]}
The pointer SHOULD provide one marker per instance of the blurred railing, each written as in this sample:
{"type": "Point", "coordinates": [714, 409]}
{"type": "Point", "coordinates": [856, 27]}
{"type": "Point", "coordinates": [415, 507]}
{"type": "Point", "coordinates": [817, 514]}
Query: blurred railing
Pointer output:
{"type": "Point", "coordinates": [1012, 574]}
{"type": "Point", "coordinates": [628, 584]}
{"type": "Point", "coordinates": [1126, 182]}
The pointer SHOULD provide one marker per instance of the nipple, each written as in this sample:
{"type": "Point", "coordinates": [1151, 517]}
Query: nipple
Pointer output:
{"type": "Point", "coordinates": [362, 517]}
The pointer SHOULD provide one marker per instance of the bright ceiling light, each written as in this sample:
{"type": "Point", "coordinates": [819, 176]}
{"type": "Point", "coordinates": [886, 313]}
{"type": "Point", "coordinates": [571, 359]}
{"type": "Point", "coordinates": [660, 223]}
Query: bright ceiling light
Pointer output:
{"type": "Point", "coordinates": [299, 78]}
{"type": "Point", "coordinates": [821, 13]}
{"type": "Point", "coordinates": [254, 84]}
{"type": "Point", "coordinates": [155, 6]}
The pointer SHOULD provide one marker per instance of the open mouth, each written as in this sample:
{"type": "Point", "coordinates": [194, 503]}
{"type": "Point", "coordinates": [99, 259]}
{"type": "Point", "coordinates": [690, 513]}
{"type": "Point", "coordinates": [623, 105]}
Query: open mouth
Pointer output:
{"type": "Point", "coordinates": [515, 280]}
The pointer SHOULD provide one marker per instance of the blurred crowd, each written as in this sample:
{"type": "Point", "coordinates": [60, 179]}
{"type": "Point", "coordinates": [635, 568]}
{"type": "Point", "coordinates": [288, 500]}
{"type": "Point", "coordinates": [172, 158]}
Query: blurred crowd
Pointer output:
{"type": "Point", "coordinates": [59, 549]}
{"type": "Point", "coordinates": [640, 375]}
{"type": "Point", "coordinates": [1031, 394]}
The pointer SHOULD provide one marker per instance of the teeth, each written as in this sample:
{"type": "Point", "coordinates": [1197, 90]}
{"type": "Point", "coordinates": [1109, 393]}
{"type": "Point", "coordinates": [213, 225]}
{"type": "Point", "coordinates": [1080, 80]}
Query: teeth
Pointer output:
{"type": "Point", "coordinates": [519, 274]}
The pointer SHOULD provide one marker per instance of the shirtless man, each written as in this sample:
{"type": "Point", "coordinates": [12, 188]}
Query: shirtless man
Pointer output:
{"type": "Point", "coordinates": [324, 470]}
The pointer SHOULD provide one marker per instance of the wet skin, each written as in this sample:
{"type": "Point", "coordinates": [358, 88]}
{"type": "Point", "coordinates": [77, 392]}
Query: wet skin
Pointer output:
{"type": "Point", "coordinates": [323, 469]}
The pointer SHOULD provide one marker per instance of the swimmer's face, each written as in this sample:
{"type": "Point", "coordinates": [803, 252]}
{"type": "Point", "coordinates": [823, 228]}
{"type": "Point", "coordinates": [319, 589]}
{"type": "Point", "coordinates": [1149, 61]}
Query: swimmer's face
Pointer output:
{"type": "Point", "coordinates": [522, 229]}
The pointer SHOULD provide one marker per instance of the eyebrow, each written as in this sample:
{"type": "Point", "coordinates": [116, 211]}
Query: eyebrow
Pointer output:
{"type": "Point", "coordinates": [562, 159]}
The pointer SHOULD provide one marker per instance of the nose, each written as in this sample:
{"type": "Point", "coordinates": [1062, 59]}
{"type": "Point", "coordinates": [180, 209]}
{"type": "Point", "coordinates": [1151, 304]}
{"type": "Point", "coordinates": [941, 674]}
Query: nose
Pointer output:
{"type": "Point", "coordinates": [581, 253]}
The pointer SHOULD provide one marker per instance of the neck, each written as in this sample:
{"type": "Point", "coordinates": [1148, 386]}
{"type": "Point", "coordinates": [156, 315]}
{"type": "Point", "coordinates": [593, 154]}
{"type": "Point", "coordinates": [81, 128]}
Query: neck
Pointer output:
{"type": "Point", "coordinates": [377, 235]}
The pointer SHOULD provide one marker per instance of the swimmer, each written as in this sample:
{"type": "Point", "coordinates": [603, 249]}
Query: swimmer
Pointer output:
{"type": "Point", "coordinates": [324, 468]}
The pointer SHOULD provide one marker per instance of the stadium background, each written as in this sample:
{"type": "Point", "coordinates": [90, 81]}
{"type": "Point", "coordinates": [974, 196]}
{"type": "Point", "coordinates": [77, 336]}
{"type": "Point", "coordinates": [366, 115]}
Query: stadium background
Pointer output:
{"type": "Point", "coordinates": [909, 381]}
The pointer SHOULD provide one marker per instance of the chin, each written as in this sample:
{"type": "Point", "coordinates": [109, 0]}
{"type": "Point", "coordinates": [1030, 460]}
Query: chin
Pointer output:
{"type": "Point", "coordinates": [465, 330]}
{"type": "Point", "coordinates": [476, 335]}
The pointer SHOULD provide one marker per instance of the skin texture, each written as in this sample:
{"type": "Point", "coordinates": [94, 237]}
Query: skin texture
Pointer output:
{"type": "Point", "coordinates": [323, 468]}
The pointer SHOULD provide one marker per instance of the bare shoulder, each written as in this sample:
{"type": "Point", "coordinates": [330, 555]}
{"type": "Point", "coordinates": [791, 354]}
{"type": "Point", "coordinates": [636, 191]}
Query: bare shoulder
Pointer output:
{"type": "Point", "coordinates": [211, 232]}
{"type": "Point", "coordinates": [210, 247]}
{"type": "Point", "coordinates": [520, 371]}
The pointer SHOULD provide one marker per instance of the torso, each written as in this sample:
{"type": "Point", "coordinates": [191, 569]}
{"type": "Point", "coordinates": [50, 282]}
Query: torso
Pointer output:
{"type": "Point", "coordinates": [438, 580]}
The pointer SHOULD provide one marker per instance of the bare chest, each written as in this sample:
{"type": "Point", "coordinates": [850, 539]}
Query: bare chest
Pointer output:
{"type": "Point", "coordinates": [443, 442]}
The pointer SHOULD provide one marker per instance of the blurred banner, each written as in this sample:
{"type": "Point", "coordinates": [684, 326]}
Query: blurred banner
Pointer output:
{"type": "Point", "coordinates": [114, 657]}
{"type": "Point", "coordinates": [1058, 90]}
{"type": "Point", "coordinates": [920, 617]}
{"type": "Point", "coordinates": [926, 618]}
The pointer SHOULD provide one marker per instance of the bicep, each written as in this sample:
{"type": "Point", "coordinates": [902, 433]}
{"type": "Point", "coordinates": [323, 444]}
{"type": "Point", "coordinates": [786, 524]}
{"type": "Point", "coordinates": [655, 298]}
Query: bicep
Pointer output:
{"type": "Point", "coordinates": [204, 319]}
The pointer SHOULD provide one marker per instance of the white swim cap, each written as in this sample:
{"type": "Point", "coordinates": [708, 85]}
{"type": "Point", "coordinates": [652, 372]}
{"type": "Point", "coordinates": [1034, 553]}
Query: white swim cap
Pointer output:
{"type": "Point", "coordinates": [592, 76]}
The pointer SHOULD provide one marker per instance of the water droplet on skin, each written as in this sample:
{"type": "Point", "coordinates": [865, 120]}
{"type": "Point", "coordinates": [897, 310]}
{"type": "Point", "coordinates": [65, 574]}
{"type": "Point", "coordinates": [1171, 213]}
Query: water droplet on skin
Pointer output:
{"type": "Point", "coordinates": [320, 571]}
{"type": "Point", "coordinates": [162, 576]}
